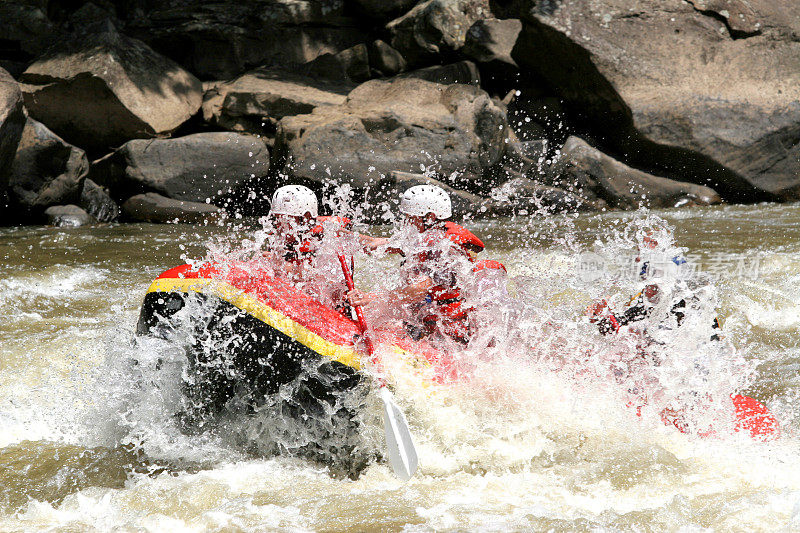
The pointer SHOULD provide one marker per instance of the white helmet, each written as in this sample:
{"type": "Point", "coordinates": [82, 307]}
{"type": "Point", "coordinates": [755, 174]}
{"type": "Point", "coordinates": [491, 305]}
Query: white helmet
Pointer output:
{"type": "Point", "coordinates": [294, 200]}
{"type": "Point", "coordinates": [420, 200]}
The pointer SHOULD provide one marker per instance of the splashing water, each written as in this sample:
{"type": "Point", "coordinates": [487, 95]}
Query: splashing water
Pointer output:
{"type": "Point", "coordinates": [537, 432]}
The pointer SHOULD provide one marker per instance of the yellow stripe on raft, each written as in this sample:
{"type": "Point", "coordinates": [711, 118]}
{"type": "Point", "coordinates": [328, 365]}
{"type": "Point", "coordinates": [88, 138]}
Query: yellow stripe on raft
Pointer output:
{"type": "Point", "coordinates": [273, 318]}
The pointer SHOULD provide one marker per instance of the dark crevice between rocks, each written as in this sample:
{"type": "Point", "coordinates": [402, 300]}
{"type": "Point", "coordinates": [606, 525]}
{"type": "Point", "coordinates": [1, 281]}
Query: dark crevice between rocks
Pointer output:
{"type": "Point", "coordinates": [733, 32]}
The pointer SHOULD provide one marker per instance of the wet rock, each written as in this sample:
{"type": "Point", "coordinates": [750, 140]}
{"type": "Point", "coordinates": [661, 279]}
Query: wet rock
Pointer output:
{"type": "Point", "coordinates": [622, 186]}
{"type": "Point", "coordinates": [67, 216]}
{"type": "Point", "coordinates": [403, 124]}
{"type": "Point", "coordinates": [152, 207]}
{"type": "Point", "coordinates": [98, 203]}
{"type": "Point", "coordinates": [523, 196]}
{"type": "Point", "coordinates": [103, 88]}
{"type": "Point", "coordinates": [222, 39]}
{"type": "Point", "coordinates": [255, 100]}
{"type": "Point", "coordinates": [46, 171]}
{"type": "Point", "coordinates": [489, 43]}
{"type": "Point", "coordinates": [383, 198]}
{"type": "Point", "coordinates": [435, 29]}
{"type": "Point", "coordinates": [350, 65]}
{"type": "Point", "coordinates": [192, 168]}
{"type": "Point", "coordinates": [12, 122]}
{"type": "Point", "coordinates": [384, 59]}
{"type": "Point", "coordinates": [464, 72]}
{"type": "Point", "coordinates": [724, 113]}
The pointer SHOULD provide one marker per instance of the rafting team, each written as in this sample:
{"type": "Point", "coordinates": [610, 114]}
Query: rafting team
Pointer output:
{"type": "Point", "coordinates": [436, 253]}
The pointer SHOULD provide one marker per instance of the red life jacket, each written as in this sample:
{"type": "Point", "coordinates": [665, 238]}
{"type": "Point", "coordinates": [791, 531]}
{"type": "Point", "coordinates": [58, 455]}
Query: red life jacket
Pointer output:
{"type": "Point", "coordinates": [449, 314]}
{"type": "Point", "coordinates": [305, 249]}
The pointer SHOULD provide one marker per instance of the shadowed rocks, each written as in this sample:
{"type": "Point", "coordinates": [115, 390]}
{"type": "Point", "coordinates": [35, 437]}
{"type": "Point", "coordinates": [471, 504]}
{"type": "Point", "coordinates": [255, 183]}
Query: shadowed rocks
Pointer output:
{"type": "Point", "coordinates": [103, 88]}
{"type": "Point", "coordinates": [195, 168]}
{"type": "Point", "coordinates": [12, 122]}
{"type": "Point", "coordinates": [152, 207]}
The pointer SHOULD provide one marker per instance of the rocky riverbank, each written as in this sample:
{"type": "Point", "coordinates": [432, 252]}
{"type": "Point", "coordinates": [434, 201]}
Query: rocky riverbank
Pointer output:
{"type": "Point", "coordinates": [160, 110]}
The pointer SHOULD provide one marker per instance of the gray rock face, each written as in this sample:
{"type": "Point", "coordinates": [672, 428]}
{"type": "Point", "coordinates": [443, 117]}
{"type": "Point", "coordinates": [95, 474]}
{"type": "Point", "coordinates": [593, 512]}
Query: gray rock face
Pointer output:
{"type": "Point", "coordinates": [98, 203]}
{"type": "Point", "coordinates": [249, 102]}
{"type": "Point", "coordinates": [350, 65]}
{"type": "Point", "coordinates": [464, 72]}
{"type": "Point", "coordinates": [385, 60]}
{"type": "Point", "coordinates": [192, 168]}
{"type": "Point", "coordinates": [222, 39]}
{"type": "Point", "coordinates": [434, 29]}
{"type": "Point", "coordinates": [102, 89]}
{"type": "Point", "coordinates": [724, 112]}
{"type": "Point", "coordinates": [403, 125]}
{"type": "Point", "coordinates": [153, 207]}
{"type": "Point", "coordinates": [46, 170]}
{"type": "Point", "coordinates": [27, 26]}
{"type": "Point", "coordinates": [12, 121]}
{"type": "Point", "coordinates": [625, 187]}
{"type": "Point", "coordinates": [67, 216]}
{"type": "Point", "coordinates": [489, 43]}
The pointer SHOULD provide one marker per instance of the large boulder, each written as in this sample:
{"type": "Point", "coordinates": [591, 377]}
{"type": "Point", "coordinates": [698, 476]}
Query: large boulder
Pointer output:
{"type": "Point", "coordinates": [489, 43]}
{"type": "Point", "coordinates": [622, 186]}
{"type": "Point", "coordinates": [523, 196]}
{"type": "Point", "coordinates": [464, 72]}
{"type": "Point", "coordinates": [196, 168]}
{"type": "Point", "coordinates": [103, 88]}
{"type": "Point", "coordinates": [256, 100]}
{"type": "Point", "coordinates": [404, 124]}
{"type": "Point", "coordinates": [46, 171]}
{"type": "Point", "coordinates": [703, 90]}
{"type": "Point", "coordinates": [12, 122]}
{"type": "Point", "coordinates": [435, 29]}
{"type": "Point", "coordinates": [385, 60]}
{"type": "Point", "coordinates": [350, 65]}
{"type": "Point", "coordinates": [153, 207]}
{"type": "Point", "coordinates": [222, 39]}
{"type": "Point", "coordinates": [67, 216]}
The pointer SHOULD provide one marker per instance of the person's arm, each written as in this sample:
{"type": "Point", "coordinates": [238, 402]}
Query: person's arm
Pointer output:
{"type": "Point", "coordinates": [408, 294]}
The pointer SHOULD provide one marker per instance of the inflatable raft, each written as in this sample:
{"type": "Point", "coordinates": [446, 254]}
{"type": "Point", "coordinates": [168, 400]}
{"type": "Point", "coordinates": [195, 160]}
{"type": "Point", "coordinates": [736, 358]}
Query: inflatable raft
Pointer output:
{"type": "Point", "coordinates": [251, 337]}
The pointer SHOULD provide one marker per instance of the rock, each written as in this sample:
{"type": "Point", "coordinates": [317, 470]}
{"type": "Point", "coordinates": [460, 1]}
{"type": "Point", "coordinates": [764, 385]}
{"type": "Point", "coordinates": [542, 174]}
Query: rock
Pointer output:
{"type": "Point", "coordinates": [725, 112]}
{"type": "Point", "coordinates": [263, 96]}
{"type": "Point", "coordinates": [382, 200]}
{"type": "Point", "coordinates": [435, 29]}
{"type": "Point", "coordinates": [385, 9]}
{"type": "Point", "coordinates": [348, 65]}
{"type": "Point", "coordinates": [152, 207]}
{"type": "Point", "coordinates": [102, 89]}
{"type": "Point", "coordinates": [67, 216]}
{"type": "Point", "coordinates": [384, 59]}
{"type": "Point", "coordinates": [489, 43]}
{"type": "Point", "coordinates": [192, 168]}
{"type": "Point", "coordinates": [24, 29]}
{"type": "Point", "coordinates": [12, 122]}
{"type": "Point", "coordinates": [464, 72]}
{"type": "Point", "coordinates": [46, 170]}
{"type": "Point", "coordinates": [523, 196]}
{"type": "Point", "coordinates": [403, 124]}
{"type": "Point", "coordinates": [98, 203]}
{"type": "Point", "coordinates": [625, 187]}
{"type": "Point", "coordinates": [222, 39]}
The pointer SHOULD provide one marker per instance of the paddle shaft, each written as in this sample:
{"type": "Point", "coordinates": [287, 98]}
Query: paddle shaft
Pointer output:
{"type": "Point", "coordinates": [348, 278]}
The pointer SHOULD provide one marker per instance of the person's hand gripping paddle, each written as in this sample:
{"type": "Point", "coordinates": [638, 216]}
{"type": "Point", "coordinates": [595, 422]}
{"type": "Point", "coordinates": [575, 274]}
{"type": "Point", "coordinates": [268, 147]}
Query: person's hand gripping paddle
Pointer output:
{"type": "Point", "coordinates": [402, 454]}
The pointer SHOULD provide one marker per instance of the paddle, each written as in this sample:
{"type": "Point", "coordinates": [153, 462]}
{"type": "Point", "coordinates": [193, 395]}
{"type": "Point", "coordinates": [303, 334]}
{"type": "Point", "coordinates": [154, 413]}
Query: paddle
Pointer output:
{"type": "Point", "coordinates": [402, 454]}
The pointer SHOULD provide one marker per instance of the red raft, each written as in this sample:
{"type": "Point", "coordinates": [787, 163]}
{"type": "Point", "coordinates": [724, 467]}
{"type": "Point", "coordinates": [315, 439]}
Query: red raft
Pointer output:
{"type": "Point", "coordinates": [252, 336]}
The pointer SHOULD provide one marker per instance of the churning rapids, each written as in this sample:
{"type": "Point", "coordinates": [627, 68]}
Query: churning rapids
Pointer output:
{"type": "Point", "coordinates": [539, 437]}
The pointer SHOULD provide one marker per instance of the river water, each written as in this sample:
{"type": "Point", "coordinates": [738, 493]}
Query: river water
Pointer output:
{"type": "Point", "coordinates": [530, 443]}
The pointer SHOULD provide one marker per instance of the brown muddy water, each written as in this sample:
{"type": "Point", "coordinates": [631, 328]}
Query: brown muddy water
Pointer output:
{"type": "Point", "coordinates": [83, 447]}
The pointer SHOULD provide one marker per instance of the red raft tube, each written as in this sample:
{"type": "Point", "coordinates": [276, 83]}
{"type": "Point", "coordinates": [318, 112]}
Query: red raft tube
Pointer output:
{"type": "Point", "coordinates": [252, 339]}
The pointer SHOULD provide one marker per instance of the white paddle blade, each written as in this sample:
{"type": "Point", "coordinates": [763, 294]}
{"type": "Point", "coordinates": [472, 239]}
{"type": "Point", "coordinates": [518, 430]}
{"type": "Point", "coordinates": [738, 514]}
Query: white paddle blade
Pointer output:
{"type": "Point", "coordinates": [400, 445]}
